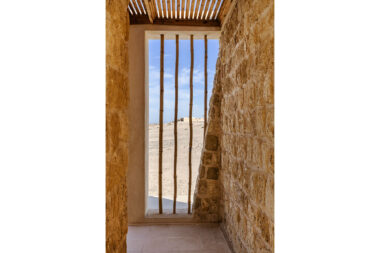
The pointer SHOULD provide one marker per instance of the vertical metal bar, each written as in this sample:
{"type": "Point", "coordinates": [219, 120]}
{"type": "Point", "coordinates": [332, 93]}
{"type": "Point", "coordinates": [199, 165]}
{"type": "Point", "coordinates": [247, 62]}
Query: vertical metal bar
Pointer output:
{"type": "Point", "coordinates": [175, 122]}
{"type": "Point", "coordinates": [161, 124]}
{"type": "Point", "coordinates": [191, 117]}
{"type": "Point", "coordinates": [205, 114]}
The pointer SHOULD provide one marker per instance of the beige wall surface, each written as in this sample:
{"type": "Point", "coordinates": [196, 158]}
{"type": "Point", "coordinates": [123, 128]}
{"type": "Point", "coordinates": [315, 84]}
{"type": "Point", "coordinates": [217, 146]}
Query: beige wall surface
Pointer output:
{"type": "Point", "coordinates": [137, 129]}
{"type": "Point", "coordinates": [138, 111]}
{"type": "Point", "coordinates": [117, 91]}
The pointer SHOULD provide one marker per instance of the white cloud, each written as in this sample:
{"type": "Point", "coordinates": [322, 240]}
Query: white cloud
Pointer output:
{"type": "Point", "coordinates": [168, 76]}
{"type": "Point", "coordinates": [184, 77]}
{"type": "Point", "coordinates": [154, 77]}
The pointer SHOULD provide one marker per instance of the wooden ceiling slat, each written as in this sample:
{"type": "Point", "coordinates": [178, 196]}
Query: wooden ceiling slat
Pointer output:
{"type": "Point", "coordinates": [149, 10]}
{"type": "Point", "coordinates": [143, 6]}
{"type": "Point", "coordinates": [169, 9]}
{"type": "Point", "coordinates": [138, 3]}
{"type": "Point", "coordinates": [216, 11]}
{"type": "Point", "coordinates": [183, 9]}
{"type": "Point", "coordinates": [136, 7]}
{"type": "Point", "coordinates": [155, 8]}
{"type": "Point", "coordinates": [133, 8]}
{"type": "Point", "coordinates": [206, 9]}
{"type": "Point", "coordinates": [224, 10]}
{"type": "Point", "coordinates": [164, 8]}
{"type": "Point", "coordinates": [187, 9]}
{"type": "Point", "coordinates": [178, 8]}
{"type": "Point", "coordinates": [146, 5]}
{"type": "Point", "coordinates": [210, 10]}
{"type": "Point", "coordinates": [191, 12]}
{"type": "Point", "coordinates": [196, 10]}
{"type": "Point", "coordinates": [140, 6]}
{"type": "Point", "coordinates": [159, 8]}
{"type": "Point", "coordinates": [192, 8]}
{"type": "Point", "coordinates": [142, 19]}
{"type": "Point", "coordinates": [201, 9]}
{"type": "Point", "coordinates": [153, 11]}
{"type": "Point", "coordinates": [221, 10]}
{"type": "Point", "coordinates": [130, 10]}
{"type": "Point", "coordinates": [173, 8]}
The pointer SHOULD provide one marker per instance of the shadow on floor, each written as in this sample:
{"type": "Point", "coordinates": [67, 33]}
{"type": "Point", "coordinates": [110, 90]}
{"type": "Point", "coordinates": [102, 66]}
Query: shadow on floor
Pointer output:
{"type": "Point", "coordinates": [167, 205]}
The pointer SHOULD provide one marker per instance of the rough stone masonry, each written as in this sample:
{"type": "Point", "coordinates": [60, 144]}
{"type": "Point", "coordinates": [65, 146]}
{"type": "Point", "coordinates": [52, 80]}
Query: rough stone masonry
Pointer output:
{"type": "Point", "coordinates": [236, 177]}
{"type": "Point", "coordinates": [117, 32]}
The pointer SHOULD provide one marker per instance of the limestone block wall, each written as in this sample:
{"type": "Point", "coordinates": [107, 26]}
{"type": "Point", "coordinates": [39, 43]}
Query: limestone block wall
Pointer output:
{"type": "Point", "coordinates": [207, 190]}
{"type": "Point", "coordinates": [117, 92]}
{"type": "Point", "coordinates": [243, 99]}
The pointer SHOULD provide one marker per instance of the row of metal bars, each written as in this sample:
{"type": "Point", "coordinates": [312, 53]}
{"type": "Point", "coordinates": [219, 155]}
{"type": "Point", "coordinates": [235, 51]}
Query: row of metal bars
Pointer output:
{"type": "Point", "coordinates": [176, 117]}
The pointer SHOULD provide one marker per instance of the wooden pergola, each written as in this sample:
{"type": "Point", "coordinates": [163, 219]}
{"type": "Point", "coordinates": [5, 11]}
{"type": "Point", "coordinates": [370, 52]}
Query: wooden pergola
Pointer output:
{"type": "Point", "coordinates": [178, 12]}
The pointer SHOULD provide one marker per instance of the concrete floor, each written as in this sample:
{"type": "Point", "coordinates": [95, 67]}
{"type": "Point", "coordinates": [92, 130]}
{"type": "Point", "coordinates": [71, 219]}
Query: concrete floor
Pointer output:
{"type": "Point", "coordinates": [194, 238]}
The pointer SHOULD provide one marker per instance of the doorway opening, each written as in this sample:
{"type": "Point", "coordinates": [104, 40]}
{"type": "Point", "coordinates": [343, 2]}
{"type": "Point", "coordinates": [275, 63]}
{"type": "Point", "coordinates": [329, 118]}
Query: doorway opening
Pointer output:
{"type": "Point", "coordinates": [171, 191]}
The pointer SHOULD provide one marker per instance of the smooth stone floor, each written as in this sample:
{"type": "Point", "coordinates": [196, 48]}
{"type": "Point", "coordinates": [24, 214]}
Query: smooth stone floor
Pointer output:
{"type": "Point", "coordinates": [194, 238]}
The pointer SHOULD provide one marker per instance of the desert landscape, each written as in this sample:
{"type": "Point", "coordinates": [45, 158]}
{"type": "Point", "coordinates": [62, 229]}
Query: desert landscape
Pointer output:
{"type": "Point", "coordinates": [168, 163]}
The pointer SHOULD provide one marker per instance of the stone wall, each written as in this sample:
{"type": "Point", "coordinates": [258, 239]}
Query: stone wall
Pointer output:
{"type": "Point", "coordinates": [207, 191]}
{"type": "Point", "coordinates": [242, 119]}
{"type": "Point", "coordinates": [117, 92]}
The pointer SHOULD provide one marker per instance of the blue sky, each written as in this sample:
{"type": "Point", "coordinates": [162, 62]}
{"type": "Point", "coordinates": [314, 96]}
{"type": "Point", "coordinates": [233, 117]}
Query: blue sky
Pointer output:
{"type": "Point", "coordinates": [183, 78]}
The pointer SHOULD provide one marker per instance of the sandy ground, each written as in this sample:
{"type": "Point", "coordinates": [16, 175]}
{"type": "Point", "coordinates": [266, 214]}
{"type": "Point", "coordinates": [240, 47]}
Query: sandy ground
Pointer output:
{"type": "Point", "coordinates": [168, 163]}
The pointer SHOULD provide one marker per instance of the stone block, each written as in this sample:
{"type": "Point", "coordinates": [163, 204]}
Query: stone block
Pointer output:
{"type": "Point", "coordinates": [202, 172]}
{"type": "Point", "coordinates": [202, 187]}
{"type": "Point", "coordinates": [211, 142]}
{"type": "Point", "coordinates": [269, 123]}
{"type": "Point", "coordinates": [197, 203]}
{"type": "Point", "coordinates": [257, 152]}
{"type": "Point", "coordinates": [269, 196]}
{"type": "Point", "coordinates": [262, 222]}
{"type": "Point", "coordinates": [259, 120]}
{"type": "Point", "coordinates": [212, 188]}
{"type": "Point", "coordinates": [268, 157]}
{"type": "Point", "coordinates": [259, 188]}
{"type": "Point", "coordinates": [213, 173]}
{"type": "Point", "coordinates": [207, 158]}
